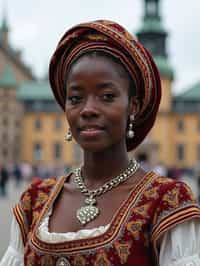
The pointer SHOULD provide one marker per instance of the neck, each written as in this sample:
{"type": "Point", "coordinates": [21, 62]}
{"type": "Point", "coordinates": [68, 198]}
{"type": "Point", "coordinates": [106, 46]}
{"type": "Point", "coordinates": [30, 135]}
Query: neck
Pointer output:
{"type": "Point", "coordinates": [99, 167]}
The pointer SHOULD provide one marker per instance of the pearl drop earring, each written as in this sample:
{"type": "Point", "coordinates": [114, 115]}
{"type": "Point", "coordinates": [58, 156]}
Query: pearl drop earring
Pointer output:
{"type": "Point", "coordinates": [130, 132]}
{"type": "Point", "coordinates": [68, 136]}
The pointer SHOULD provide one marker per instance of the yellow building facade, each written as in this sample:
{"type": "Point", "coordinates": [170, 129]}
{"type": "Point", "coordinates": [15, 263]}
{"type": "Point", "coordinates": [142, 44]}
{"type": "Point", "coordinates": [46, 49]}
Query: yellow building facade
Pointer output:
{"type": "Point", "coordinates": [44, 128]}
{"type": "Point", "coordinates": [43, 139]}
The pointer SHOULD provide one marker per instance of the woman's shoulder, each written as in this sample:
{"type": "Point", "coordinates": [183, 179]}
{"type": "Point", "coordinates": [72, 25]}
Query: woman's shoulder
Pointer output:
{"type": "Point", "coordinates": [175, 204]}
{"type": "Point", "coordinates": [167, 193]}
{"type": "Point", "coordinates": [174, 196]}
{"type": "Point", "coordinates": [165, 184]}
{"type": "Point", "coordinates": [40, 184]}
{"type": "Point", "coordinates": [39, 190]}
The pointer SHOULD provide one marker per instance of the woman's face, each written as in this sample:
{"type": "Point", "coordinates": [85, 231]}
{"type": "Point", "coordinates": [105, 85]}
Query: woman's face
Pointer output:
{"type": "Point", "coordinates": [97, 104]}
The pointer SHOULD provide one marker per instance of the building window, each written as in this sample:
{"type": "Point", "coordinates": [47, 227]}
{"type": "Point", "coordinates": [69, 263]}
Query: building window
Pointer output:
{"type": "Point", "coordinates": [37, 151]}
{"type": "Point", "coordinates": [180, 150]}
{"type": "Point", "coordinates": [16, 152]}
{"type": "Point", "coordinates": [4, 152]}
{"type": "Point", "coordinates": [38, 124]}
{"type": "Point", "coordinates": [198, 152]}
{"type": "Point", "coordinates": [5, 137]}
{"type": "Point", "coordinates": [5, 106]}
{"type": "Point", "coordinates": [5, 121]}
{"type": "Point", "coordinates": [180, 126]}
{"type": "Point", "coordinates": [198, 126]}
{"type": "Point", "coordinates": [57, 150]}
{"type": "Point", "coordinates": [57, 124]}
{"type": "Point", "coordinates": [17, 124]}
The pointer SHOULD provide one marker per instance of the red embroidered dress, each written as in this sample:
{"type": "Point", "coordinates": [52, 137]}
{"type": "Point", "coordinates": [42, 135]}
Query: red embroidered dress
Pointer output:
{"type": "Point", "coordinates": [154, 206]}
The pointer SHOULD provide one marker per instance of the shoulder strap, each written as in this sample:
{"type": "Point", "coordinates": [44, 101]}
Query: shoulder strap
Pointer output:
{"type": "Point", "coordinates": [34, 197]}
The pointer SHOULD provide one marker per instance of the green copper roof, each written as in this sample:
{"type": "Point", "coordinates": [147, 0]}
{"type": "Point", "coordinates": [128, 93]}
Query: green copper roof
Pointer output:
{"type": "Point", "coordinates": [4, 25]}
{"type": "Point", "coordinates": [191, 94]}
{"type": "Point", "coordinates": [7, 79]}
{"type": "Point", "coordinates": [150, 24]}
{"type": "Point", "coordinates": [36, 90]}
{"type": "Point", "coordinates": [164, 67]}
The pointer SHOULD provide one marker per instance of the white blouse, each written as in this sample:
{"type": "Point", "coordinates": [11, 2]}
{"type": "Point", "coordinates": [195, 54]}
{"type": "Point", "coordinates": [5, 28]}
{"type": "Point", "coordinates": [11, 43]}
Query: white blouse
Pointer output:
{"type": "Point", "coordinates": [179, 247]}
{"type": "Point", "coordinates": [50, 237]}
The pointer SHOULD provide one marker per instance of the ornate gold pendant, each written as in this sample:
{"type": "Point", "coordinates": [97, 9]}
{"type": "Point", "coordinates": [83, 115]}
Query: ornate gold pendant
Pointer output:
{"type": "Point", "coordinates": [87, 213]}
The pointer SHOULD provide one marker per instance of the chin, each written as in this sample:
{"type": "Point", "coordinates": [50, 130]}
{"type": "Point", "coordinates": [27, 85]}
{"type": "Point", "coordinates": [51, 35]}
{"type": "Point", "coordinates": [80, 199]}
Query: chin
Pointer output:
{"type": "Point", "coordinates": [94, 146]}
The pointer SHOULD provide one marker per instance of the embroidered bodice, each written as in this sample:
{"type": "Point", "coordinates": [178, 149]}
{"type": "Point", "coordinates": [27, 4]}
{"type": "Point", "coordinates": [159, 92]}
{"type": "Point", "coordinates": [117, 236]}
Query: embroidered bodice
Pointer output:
{"type": "Point", "coordinates": [154, 205]}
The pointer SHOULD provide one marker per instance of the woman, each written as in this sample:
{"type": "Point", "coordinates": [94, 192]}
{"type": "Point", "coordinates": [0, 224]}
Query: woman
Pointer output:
{"type": "Point", "coordinates": [110, 211]}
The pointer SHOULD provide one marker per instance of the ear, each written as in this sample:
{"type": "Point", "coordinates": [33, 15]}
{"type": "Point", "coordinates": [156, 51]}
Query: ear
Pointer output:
{"type": "Point", "coordinates": [133, 106]}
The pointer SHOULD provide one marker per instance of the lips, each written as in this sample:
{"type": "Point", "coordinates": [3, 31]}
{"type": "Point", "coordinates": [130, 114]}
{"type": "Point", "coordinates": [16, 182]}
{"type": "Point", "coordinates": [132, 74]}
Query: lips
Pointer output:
{"type": "Point", "coordinates": [91, 130]}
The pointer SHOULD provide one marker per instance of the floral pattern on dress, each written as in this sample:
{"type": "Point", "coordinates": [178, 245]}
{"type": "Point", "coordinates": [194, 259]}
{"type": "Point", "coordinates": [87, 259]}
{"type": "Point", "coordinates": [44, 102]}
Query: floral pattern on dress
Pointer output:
{"type": "Point", "coordinates": [102, 259]}
{"type": "Point", "coordinates": [123, 251]}
{"type": "Point", "coordinates": [79, 260]}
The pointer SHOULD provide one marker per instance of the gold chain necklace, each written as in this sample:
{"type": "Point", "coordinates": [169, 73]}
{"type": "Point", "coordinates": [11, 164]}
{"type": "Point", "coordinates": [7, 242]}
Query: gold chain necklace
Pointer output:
{"type": "Point", "coordinates": [89, 212]}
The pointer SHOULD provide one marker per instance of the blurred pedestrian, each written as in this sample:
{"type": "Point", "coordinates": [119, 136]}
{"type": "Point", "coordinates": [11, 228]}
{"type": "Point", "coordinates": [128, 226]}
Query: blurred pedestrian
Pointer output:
{"type": "Point", "coordinates": [17, 173]}
{"type": "Point", "coordinates": [4, 176]}
{"type": "Point", "coordinates": [161, 169]}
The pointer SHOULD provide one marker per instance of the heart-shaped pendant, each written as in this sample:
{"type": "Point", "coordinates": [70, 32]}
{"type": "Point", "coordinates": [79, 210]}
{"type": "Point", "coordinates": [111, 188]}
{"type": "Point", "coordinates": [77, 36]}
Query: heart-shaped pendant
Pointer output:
{"type": "Point", "coordinates": [87, 213]}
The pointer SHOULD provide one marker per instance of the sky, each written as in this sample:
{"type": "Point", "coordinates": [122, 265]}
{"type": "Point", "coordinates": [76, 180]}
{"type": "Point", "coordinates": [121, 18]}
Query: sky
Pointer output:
{"type": "Point", "coordinates": [37, 25]}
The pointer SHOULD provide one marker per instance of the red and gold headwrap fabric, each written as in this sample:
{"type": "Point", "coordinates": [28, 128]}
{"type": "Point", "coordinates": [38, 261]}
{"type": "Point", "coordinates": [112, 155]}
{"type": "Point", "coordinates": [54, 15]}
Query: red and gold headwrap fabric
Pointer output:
{"type": "Point", "coordinates": [112, 38]}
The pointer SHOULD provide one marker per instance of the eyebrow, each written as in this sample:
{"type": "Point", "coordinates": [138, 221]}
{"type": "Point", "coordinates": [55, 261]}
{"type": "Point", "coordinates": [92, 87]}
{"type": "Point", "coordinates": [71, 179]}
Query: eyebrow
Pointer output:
{"type": "Point", "coordinates": [105, 85]}
{"type": "Point", "coordinates": [74, 87]}
{"type": "Point", "coordinates": [99, 86]}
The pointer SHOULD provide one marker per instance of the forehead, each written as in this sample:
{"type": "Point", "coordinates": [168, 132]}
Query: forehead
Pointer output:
{"type": "Point", "coordinates": [96, 66]}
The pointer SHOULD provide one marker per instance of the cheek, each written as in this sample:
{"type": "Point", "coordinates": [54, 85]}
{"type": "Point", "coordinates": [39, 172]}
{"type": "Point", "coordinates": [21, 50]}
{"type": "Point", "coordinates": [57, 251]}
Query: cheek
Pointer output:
{"type": "Point", "coordinates": [119, 120]}
{"type": "Point", "coordinates": [120, 112]}
{"type": "Point", "coordinates": [69, 116]}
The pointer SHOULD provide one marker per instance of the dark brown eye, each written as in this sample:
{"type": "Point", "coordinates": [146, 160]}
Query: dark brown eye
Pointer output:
{"type": "Point", "coordinates": [109, 97]}
{"type": "Point", "coordinates": [75, 99]}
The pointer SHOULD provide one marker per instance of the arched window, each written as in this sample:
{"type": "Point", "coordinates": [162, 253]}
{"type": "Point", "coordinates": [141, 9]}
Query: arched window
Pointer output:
{"type": "Point", "coordinates": [57, 124]}
{"type": "Point", "coordinates": [198, 152]}
{"type": "Point", "coordinates": [37, 151]}
{"type": "Point", "coordinates": [180, 151]}
{"type": "Point", "coordinates": [38, 124]}
{"type": "Point", "coordinates": [57, 150]}
{"type": "Point", "coordinates": [180, 126]}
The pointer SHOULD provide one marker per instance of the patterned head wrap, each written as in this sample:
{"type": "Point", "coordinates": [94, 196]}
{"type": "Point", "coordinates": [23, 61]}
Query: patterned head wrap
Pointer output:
{"type": "Point", "coordinates": [110, 37]}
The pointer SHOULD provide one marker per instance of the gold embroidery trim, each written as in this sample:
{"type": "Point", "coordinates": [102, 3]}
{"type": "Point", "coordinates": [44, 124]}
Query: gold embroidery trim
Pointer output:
{"type": "Point", "coordinates": [174, 219]}
{"type": "Point", "coordinates": [105, 238]}
{"type": "Point", "coordinates": [50, 200]}
{"type": "Point", "coordinates": [19, 215]}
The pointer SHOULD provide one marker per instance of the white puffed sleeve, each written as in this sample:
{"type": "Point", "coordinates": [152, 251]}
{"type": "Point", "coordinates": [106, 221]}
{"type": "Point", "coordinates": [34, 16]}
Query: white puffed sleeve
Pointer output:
{"type": "Point", "coordinates": [181, 245]}
{"type": "Point", "coordinates": [14, 254]}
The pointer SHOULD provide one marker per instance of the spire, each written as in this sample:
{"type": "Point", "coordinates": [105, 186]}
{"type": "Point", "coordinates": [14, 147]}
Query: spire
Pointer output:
{"type": "Point", "coordinates": [153, 36]}
{"type": "Point", "coordinates": [4, 25]}
{"type": "Point", "coordinates": [4, 29]}
{"type": "Point", "coordinates": [152, 8]}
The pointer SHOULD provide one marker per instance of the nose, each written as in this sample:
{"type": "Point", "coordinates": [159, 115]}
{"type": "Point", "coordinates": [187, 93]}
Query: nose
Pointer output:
{"type": "Point", "coordinates": [90, 108]}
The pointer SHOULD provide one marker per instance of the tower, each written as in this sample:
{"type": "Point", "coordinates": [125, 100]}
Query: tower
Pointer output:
{"type": "Point", "coordinates": [153, 36]}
